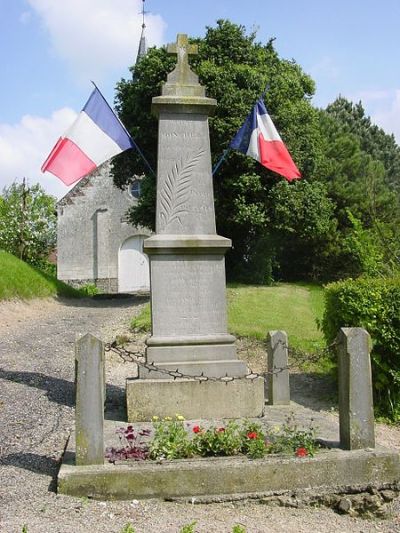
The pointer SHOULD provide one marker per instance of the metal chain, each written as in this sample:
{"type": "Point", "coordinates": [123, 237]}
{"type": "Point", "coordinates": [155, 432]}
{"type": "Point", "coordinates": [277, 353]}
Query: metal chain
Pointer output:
{"type": "Point", "coordinates": [130, 356]}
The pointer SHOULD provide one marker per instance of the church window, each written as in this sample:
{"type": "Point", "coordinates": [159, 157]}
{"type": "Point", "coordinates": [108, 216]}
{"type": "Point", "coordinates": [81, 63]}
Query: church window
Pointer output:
{"type": "Point", "coordinates": [134, 189]}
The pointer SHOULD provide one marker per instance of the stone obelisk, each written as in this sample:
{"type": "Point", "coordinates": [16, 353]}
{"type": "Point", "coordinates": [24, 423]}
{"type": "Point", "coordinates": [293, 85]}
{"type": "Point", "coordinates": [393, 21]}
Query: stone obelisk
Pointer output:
{"type": "Point", "coordinates": [187, 257]}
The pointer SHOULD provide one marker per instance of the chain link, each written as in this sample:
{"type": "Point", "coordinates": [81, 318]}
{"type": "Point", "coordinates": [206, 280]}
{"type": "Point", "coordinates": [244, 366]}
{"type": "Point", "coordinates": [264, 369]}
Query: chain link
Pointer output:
{"type": "Point", "coordinates": [137, 357]}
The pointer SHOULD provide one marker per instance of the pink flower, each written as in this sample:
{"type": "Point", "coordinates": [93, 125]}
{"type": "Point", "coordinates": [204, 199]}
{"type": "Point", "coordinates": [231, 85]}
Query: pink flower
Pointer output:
{"type": "Point", "coordinates": [301, 452]}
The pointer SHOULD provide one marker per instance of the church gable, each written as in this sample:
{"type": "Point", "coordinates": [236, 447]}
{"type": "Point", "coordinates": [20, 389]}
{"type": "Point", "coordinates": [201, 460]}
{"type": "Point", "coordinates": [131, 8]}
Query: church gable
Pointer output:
{"type": "Point", "coordinates": [94, 236]}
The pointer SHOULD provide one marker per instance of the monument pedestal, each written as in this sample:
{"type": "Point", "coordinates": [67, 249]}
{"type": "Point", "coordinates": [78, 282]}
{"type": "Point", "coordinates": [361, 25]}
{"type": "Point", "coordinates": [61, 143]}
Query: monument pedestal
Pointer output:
{"type": "Point", "coordinates": [242, 398]}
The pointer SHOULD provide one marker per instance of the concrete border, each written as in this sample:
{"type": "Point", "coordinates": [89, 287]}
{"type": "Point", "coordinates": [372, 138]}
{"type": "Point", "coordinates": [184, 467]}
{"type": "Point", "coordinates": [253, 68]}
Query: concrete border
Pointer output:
{"type": "Point", "coordinates": [328, 470]}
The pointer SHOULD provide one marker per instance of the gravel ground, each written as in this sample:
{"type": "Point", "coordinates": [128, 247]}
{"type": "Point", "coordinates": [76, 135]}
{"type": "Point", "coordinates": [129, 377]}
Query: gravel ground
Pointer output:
{"type": "Point", "coordinates": [36, 413]}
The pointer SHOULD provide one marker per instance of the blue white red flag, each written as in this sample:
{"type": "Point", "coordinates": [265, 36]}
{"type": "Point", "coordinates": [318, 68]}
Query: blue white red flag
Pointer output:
{"type": "Point", "coordinates": [258, 138]}
{"type": "Point", "coordinates": [96, 135]}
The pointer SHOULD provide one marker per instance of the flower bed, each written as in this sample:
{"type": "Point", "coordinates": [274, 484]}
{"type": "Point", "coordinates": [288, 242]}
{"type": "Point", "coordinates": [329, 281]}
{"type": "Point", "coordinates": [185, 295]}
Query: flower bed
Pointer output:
{"type": "Point", "coordinates": [174, 438]}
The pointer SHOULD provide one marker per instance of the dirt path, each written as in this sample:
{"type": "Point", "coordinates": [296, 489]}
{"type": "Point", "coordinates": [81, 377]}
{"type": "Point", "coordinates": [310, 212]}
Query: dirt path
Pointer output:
{"type": "Point", "coordinates": [36, 414]}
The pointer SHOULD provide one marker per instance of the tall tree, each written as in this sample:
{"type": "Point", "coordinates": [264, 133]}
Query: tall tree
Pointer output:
{"type": "Point", "coordinates": [235, 69]}
{"type": "Point", "coordinates": [27, 222]}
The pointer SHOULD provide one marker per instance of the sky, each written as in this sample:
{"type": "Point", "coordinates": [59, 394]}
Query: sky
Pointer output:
{"type": "Point", "coordinates": [51, 49]}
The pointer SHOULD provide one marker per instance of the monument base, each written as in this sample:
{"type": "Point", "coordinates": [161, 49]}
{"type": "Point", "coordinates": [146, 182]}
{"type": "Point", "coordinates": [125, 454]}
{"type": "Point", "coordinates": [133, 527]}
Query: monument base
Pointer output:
{"type": "Point", "coordinates": [242, 398]}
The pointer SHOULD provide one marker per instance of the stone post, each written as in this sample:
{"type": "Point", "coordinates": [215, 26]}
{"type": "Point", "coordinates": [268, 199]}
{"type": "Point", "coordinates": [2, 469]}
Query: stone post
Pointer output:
{"type": "Point", "coordinates": [90, 397]}
{"type": "Point", "coordinates": [356, 415]}
{"type": "Point", "coordinates": [278, 380]}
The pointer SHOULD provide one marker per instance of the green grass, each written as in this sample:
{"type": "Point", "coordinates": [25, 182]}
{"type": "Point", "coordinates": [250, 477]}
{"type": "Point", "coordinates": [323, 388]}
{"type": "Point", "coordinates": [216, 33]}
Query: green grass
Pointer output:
{"type": "Point", "coordinates": [291, 307]}
{"type": "Point", "coordinates": [18, 280]}
{"type": "Point", "coordinates": [255, 310]}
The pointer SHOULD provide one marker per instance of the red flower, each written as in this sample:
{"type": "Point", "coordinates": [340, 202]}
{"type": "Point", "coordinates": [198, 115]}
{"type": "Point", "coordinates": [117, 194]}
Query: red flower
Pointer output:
{"type": "Point", "coordinates": [301, 452]}
{"type": "Point", "coordinates": [221, 430]}
{"type": "Point", "coordinates": [196, 429]}
{"type": "Point", "coordinates": [252, 435]}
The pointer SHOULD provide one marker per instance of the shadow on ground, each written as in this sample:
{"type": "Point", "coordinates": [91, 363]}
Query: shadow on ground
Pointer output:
{"type": "Point", "coordinates": [106, 300]}
{"type": "Point", "coordinates": [62, 391]}
{"type": "Point", "coordinates": [39, 464]}
{"type": "Point", "coordinates": [314, 391]}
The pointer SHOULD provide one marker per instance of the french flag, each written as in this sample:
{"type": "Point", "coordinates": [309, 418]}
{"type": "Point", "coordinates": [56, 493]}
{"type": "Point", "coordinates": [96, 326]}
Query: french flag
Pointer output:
{"type": "Point", "coordinates": [96, 135]}
{"type": "Point", "coordinates": [258, 138]}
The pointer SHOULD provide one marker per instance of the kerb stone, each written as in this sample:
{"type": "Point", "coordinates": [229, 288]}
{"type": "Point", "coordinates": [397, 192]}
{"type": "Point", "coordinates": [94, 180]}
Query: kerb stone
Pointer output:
{"type": "Point", "coordinates": [90, 395]}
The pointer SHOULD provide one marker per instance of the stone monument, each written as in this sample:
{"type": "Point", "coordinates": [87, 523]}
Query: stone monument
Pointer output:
{"type": "Point", "coordinates": [187, 264]}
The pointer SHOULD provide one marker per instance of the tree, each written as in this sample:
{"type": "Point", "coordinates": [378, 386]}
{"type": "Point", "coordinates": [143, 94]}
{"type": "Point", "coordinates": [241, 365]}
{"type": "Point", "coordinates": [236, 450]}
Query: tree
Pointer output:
{"type": "Point", "coordinates": [235, 69]}
{"type": "Point", "coordinates": [27, 222]}
{"type": "Point", "coordinates": [373, 140]}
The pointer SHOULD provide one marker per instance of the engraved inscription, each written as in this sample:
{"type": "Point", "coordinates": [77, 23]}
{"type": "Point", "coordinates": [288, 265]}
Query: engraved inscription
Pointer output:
{"type": "Point", "coordinates": [175, 192]}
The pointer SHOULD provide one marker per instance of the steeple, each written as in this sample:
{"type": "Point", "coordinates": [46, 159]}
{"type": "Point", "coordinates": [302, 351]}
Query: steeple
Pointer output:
{"type": "Point", "coordinates": [142, 43]}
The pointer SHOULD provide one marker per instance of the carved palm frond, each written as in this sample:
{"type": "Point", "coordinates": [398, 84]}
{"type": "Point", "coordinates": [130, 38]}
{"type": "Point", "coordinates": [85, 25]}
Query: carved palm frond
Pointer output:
{"type": "Point", "coordinates": [176, 189]}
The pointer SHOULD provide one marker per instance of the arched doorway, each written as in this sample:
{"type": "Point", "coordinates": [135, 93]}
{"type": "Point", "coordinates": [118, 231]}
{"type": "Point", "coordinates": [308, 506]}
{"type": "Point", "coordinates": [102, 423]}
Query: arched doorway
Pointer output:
{"type": "Point", "coordinates": [133, 266]}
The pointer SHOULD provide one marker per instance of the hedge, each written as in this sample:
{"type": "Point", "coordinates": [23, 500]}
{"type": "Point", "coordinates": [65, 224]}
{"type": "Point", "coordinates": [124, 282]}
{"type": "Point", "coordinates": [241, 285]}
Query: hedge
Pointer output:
{"type": "Point", "coordinates": [374, 304]}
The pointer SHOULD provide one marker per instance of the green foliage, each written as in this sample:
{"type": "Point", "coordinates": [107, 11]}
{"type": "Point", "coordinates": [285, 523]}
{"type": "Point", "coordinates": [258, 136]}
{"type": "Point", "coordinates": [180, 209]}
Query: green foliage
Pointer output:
{"type": "Point", "coordinates": [20, 280]}
{"type": "Point", "coordinates": [128, 528]}
{"type": "Point", "coordinates": [373, 140]}
{"type": "Point", "coordinates": [290, 439]}
{"type": "Point", "coordinates": [189, 528]}
{"type": "Point", "coordinates": [374, 304]}
{"type": "Point", "coordinates": [89, 289]}
{"type": "Point", "coordinates": [142, 322]}
{"type": "Point", "coordinates": [217, 441]}
{"type": "Point", "coordinates": [27, 222]}
{"type": "Point", "coordinates": [171, 440]}
{"type": "Point", "coordinates": [24, 528]}
{"type": "Point", "coordinates": [237, 528]}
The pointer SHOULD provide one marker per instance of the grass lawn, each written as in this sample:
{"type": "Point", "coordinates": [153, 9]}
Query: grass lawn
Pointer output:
{"type": "Point", "coordinates": [292, 307]}
{"type": "Point", "coordinates": [255, 310]}
{"type": "Point", "coordinates": [18, 280]}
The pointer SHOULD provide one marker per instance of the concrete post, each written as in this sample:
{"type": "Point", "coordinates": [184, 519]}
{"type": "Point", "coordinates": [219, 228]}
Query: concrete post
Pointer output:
{"type": "Point", "coordinates": [356, 414]}
{"type": "Point", "coordinates": [90, 397]}
{"type": "Point", "coordinates": [278, 380]}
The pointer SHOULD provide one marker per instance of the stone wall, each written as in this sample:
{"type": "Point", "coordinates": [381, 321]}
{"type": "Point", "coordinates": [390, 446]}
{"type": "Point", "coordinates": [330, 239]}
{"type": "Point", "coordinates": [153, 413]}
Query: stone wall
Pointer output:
{"type": "Point", "coordinates": [91, 228]}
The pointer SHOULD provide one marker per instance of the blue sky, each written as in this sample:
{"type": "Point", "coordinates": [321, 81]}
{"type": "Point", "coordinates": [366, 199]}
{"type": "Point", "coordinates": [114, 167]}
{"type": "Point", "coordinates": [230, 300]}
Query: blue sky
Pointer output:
{"type": "Point", "coordinates": [50, 50]}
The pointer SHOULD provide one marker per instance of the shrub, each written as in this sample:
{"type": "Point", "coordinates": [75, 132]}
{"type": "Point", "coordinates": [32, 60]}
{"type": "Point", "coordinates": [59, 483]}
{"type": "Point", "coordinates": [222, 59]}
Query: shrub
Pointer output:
{"type": "Point", "coordinates": [373, 304]}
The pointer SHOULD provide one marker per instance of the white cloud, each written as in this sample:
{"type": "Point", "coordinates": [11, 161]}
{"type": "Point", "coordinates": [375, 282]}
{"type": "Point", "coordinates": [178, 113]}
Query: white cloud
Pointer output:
{"type": "Point", "coordinates": [325, 68]}
{"type": "Point", "coordinates": [388, 116]}
{"type": "Point", "coordinates": [25, 146]}
{"type": "Point", "coordinates": [383, 106]}
{"type": "Point", "coordinates": [96, 37]}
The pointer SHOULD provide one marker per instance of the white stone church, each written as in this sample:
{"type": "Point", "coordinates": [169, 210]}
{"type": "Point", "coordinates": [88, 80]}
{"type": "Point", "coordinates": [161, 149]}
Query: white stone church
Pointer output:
{"type": "Point", "coordinates": [95, 242]}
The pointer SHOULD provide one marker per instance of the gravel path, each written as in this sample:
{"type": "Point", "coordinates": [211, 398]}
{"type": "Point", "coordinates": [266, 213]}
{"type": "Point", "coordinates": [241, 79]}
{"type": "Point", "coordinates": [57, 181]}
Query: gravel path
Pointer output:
{"type": "Point", "coordinates": [36, 413]}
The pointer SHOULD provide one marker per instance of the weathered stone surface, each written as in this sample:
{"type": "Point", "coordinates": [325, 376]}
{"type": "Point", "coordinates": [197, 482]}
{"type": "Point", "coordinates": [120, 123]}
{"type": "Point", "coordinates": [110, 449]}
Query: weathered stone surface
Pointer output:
{"type": "Point", "coordinates": [209, 399]}
{"type": "Point", "coordinates": [90, 395]}
{"type": "Point", "coordinates": [330, 470]}
{"type": "Point", "coordinates": [278, 371]}
{"type": "Point", "coordinates": [356, 414]}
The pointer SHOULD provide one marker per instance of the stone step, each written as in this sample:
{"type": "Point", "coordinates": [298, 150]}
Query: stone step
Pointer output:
{"type": "Point", "coordinates": [212, 369]}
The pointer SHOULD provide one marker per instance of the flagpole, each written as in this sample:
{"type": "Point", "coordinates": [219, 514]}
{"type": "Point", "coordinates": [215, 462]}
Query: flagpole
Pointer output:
{"type": "Point", "coordinates": [130, 136]}
{"type": "Point", "coordinates": [221, 160]}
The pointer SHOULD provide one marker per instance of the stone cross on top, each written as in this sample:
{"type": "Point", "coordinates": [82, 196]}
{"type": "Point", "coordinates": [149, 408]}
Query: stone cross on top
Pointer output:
{"type": "Point", "coordinates": [182, 75]}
